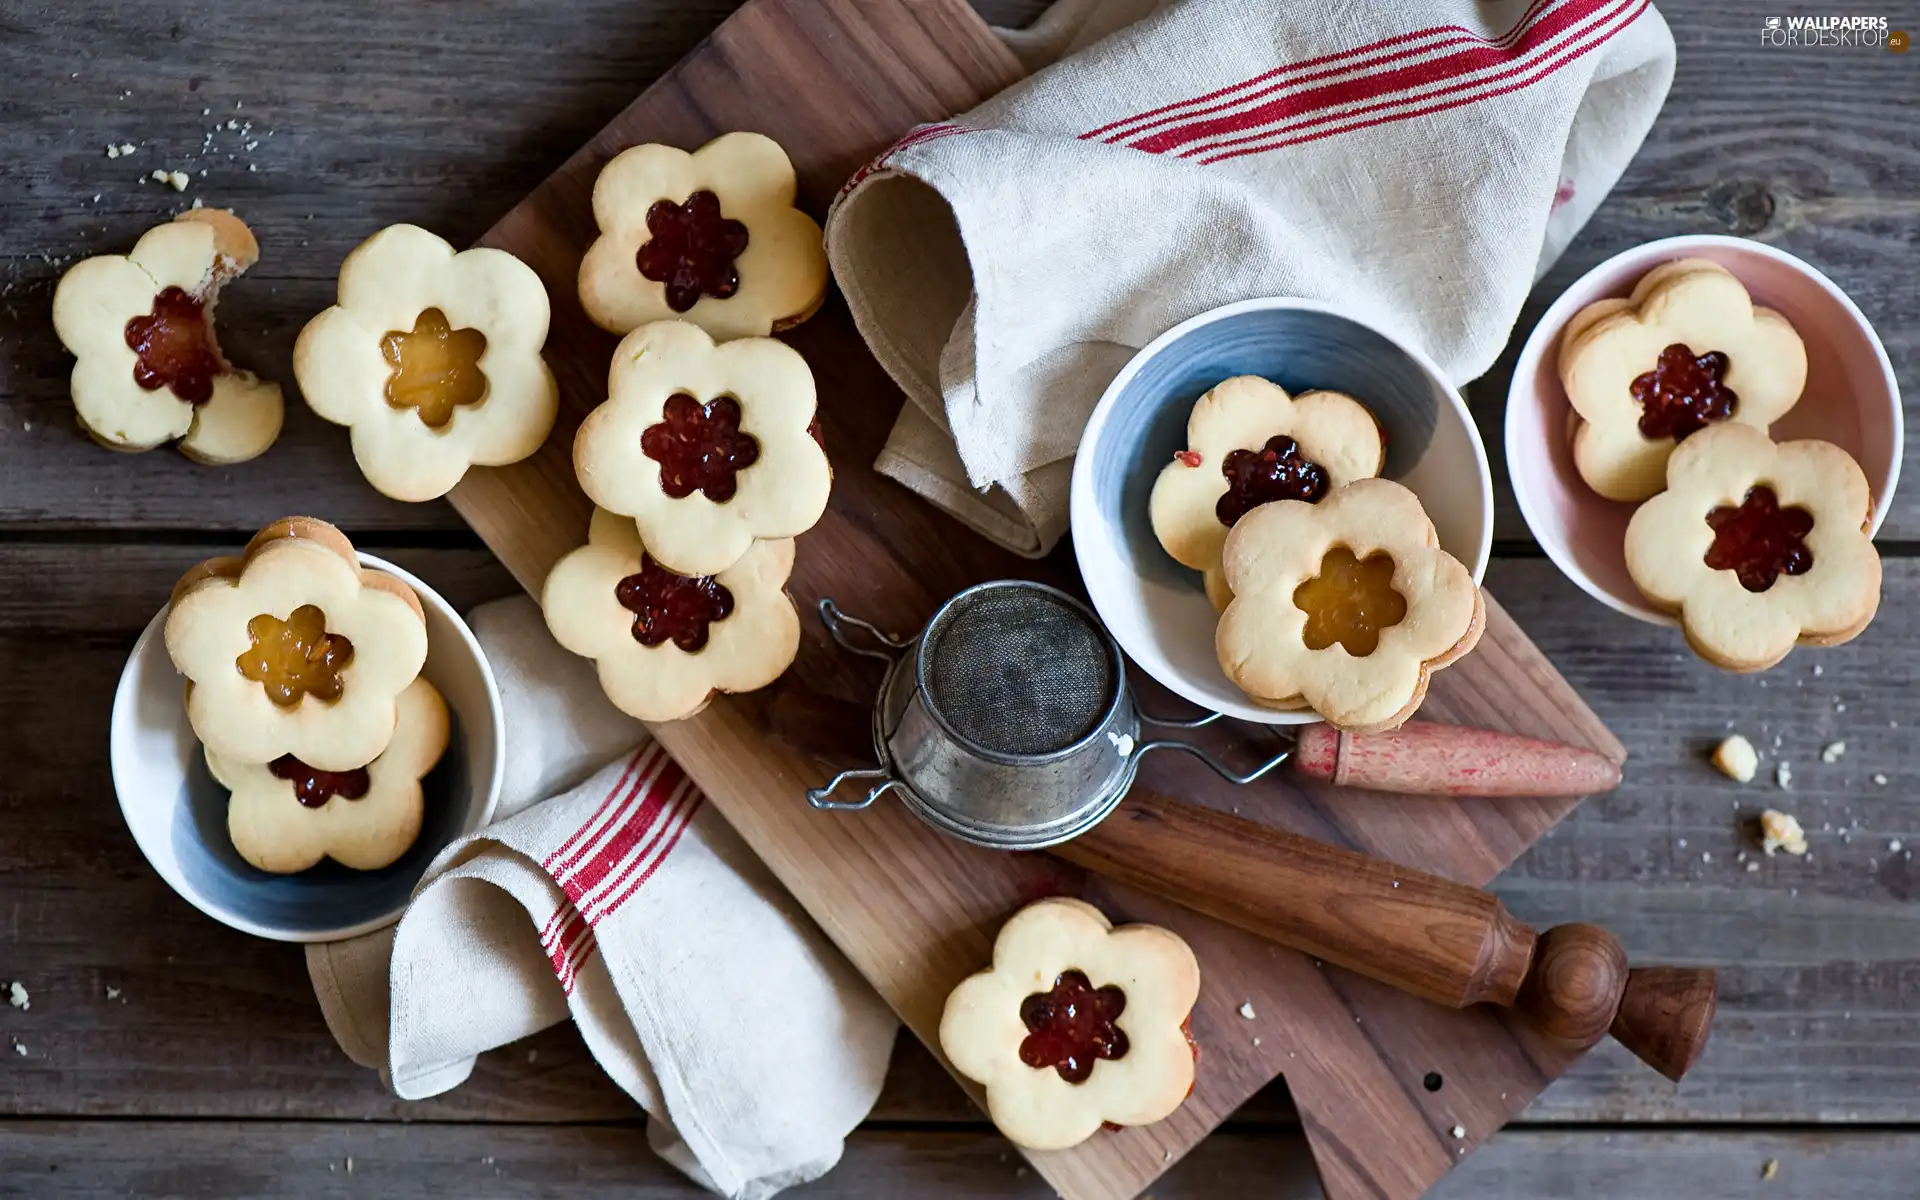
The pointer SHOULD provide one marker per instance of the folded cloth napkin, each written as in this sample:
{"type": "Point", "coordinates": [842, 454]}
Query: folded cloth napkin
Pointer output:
{"type": "Point", "coordinates": [1417, 164]}
{"type": "Point", "coordinates": [627, 903]}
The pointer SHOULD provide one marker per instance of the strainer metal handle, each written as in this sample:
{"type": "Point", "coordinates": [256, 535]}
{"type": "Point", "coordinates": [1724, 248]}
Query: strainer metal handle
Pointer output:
{"type": "Point", "coordinates": [837, 624]}
{"type": "Point", "coordinates": [1219, 768]}
{"type": "Point", "coordinates": [821, 797]}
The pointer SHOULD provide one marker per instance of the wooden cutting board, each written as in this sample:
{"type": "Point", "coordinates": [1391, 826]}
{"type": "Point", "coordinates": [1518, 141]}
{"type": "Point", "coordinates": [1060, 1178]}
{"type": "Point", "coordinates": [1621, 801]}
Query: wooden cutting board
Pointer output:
{"type": "Point", "coordinates": [1380, 1079]}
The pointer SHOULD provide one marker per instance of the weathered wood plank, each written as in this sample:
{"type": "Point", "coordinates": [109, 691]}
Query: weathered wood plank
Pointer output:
{"type": "Point", "coordinates": [207, 1160]}
{"type": "Point", "coordinates": [1821, 960]}
{"type": "Point", "coordinates": [1822, 161]}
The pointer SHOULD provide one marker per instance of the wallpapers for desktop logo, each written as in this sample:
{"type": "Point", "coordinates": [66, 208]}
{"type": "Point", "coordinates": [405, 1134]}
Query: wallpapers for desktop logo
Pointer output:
{"type": "Point", "coordinates": [1832, 31]}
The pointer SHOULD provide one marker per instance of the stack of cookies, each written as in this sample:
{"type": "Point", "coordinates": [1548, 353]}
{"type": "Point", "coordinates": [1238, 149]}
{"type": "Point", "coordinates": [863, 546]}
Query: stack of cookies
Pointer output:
{"type": "Point", "coordinates": [1334, 593]}
{"type": "Point", "coordinates": [1754, 545]}
{"type": "Point", "coordinates": [304, 688]}
{"type": "Point", "coordinates": [705, 460]}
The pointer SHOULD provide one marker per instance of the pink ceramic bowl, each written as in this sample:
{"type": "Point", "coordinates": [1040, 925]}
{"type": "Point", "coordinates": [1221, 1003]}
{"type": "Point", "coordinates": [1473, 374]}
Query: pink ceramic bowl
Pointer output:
{"type": "Point", "coordinates": [1851, 400]}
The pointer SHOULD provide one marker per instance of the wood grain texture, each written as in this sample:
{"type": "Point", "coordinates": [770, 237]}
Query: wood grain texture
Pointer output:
{"type": "Point", "coordinates": [80, 1160]}
{"type": "Point", "coordinates": [1817, 959]}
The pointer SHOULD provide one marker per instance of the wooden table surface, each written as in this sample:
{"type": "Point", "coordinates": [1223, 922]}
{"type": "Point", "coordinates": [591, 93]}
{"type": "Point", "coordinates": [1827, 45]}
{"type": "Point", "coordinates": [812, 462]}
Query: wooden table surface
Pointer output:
{"type": "Point", "coordinates": [165, 1054]}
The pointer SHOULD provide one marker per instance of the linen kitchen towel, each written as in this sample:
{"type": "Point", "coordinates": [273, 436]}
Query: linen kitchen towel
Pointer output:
{"type": "Point", "coordinates": [1418, 165]}
{"type": "Point", "coordinates": [626, 902]}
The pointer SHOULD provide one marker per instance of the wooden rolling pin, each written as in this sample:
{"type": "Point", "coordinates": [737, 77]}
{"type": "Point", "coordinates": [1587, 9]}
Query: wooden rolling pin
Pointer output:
{"type": "Point", "coordinates": [1445, 941]}
{"type": "Point", "coordinates": [1424, 758]}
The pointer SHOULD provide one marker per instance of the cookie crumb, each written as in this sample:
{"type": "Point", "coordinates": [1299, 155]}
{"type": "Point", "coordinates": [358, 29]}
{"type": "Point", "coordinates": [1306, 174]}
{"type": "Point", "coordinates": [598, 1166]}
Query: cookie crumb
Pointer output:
{"type": "Point", "coordinates": [1706, 856]}
{"type": "Point", "coordinates": [17, 996]}
{"type": "Point", "coordinates": [113, 151]}
{"type": "Point", "coordinates": [1832, 751]}
{"type": "Point", "coordinates": [1736, 758]}
{"type": "Point", "coordinates": [1780, 831]}
{"type": "Point", "coordinates": [20, 1048]}
{"type": "Point", "coordinates": [1246, 1008]}
{"type": "Point", "coordinates": [349, 1164]}
{"type": "Point", "coordinates": [1893, 847]}
{"type": "Point", "coordinates": [1783, 777]}
{"type": "Point", "coordinates": [113, 993]}
{"type": "Point", "coordinates": [1459, 1131]}
{"type": "Point", "coordinates": [1166, 1156]}
{"type": "Point", "coordinates": [1880, 778]}
{"type": "Point", "coordinates": [1256, 1041]}
{"type": "Point", "coordinates": [1819, 670]}
{"type": "Point", "coordinates": [1771, 1169]}
{"type": "Point", "coordinates": [1752, 867]}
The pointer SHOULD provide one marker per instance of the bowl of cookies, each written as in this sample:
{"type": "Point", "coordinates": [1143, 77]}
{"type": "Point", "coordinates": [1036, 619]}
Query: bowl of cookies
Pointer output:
{"type": "Point", "coordinates": [299, 731]}
{"type": "Point", "coordinates": [1283, 514]}
{"type": "Point", "coordinates": [1706, 432]}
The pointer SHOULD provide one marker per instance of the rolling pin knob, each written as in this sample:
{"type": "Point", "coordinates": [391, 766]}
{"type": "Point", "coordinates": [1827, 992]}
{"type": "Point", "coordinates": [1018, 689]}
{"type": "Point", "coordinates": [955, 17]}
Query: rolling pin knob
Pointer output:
{"type": "Point", "coordinates": [1425, 758]}
{"type": "Point", "coordinates": [1580, 989]}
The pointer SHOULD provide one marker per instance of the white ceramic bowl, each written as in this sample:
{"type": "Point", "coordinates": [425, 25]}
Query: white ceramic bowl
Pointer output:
{"type": "Point", "coordinates": [1154, 606]}
{"type": "Point", "coordinates": [178, 814]}
{"type": "Point", "coordinates": [1852, 400]}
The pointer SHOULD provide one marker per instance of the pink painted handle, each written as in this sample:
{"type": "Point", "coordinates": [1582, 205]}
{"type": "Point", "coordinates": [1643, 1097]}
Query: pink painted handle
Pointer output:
{"type": "Point", "coordinates": [1427, 759]}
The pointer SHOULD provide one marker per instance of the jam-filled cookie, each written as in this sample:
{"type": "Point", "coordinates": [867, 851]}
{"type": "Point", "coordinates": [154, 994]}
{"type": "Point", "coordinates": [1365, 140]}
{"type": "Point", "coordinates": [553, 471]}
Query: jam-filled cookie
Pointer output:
{"type": "Point", "coordinates": [294, 648]}
{"type": "Point", "coordinates": [706, 447]}
{"type": "Point", "coordinates": [1250, 443]}
{"type": "Point", "coordinates": [664, 642]}
{"type": "Point", "coordinates": [1346, 607]}
{"type": "Point", "coordinates": [1687, 350]}
{"type": "Point", "coordinates": [149, 369]}
{"type": "Point", "coordinates": [285, 816]}
{"type": "Point", "coordinates": [1076, 1023]}
{"type": "Point", "coordinates": [432, 359]}
{"type": "Point", "coordinates": [711, 237]}
{"type": "Point", "coordinates": [1756, 546]}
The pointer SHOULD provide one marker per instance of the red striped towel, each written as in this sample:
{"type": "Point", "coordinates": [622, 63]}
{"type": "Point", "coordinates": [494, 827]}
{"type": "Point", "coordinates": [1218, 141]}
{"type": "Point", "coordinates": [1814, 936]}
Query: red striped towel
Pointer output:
{"type": "Point", "coordinates": [629, 905]}
{"type": "Point", "coordinates": [1419, 164]}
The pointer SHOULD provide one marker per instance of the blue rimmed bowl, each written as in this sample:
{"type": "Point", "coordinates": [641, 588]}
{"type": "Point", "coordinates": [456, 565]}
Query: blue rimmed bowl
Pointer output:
{"type": "Point", "coordinates": [1155, 607]}
{"type": "Point", "coordinates": [178, 813]}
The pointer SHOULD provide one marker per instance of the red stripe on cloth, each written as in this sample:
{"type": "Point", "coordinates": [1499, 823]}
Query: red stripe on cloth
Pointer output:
{"type": "Point", "coordinates": [633, 888]}
{"type": "Point", "coordinates": [1402, 40]}
{"type": "Point", "coordinates": [634, 762]}
{"type": "Point", "coordinates": [1374, 86]}
{"type": "Point", "coordinates": [558, 942]}
{"type": "Point", "coordinates": [1541, 72]}
{"type": "Point", "coordinates": [677, 804]}
{"type": "Point", "coordinates": [1456, 37]}
{"type": "Point", "coordinates": [634, 825]}
{"type": "Point", "coordinates": [1265, 137]}
{"type": "Point", "coordinates": [913, 138]}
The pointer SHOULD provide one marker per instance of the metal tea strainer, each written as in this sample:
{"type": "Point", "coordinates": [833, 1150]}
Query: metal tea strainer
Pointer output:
{"type": "Point", "coordinates": [1008, 721]}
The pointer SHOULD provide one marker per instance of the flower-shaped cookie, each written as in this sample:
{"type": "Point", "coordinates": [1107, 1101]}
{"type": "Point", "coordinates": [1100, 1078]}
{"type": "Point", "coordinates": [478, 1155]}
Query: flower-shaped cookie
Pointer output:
{"type": "Point", "coordinates": [1249, 443]}
{"type": "Point", "coordinates": [706, 447]}
{"type": "Point", "coordinates": [432, 358]}
{"type": "Point", "coordinates": [663, 642]}
{"type": "Point", "coordinates": [1345, 607]}
{"type": "Point", "coordinates": [711, 236]}
{"type": "Point", "coordinates": [1687, 350]}
{"type": "Point", "coordinates": [1757, 546]}
{"type": "Point", "coordinates": [285, 816]}
{"type": "Point", "coordinates": [1075, 1023]}
{"type": "Point", "coordinates": [141, 326]}
{"type": "Point", "coordinates": [294, 648]}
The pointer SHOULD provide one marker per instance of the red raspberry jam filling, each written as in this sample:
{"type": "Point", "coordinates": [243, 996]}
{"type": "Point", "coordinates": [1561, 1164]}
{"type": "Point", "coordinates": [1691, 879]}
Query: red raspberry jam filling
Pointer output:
{"type": "Point", "coordinates": [1759, 541]}
{"type": "Point", "coordinates": [296, 657]}
{"type": "Point", "coordinates": [174, 347]}
{"type": "Point", "coordinates": [700, 447]}
{"type": "Point", "coordinates": [1072, 1025]}
{"type": "Point", "coordinates": [1684, 393]}
{"type": "Point", "coordinates": [691, 248]}
{"type": "Point", "coordinates": [668, 605]}
{"type": "Point", "coordinates": [1276, 471]}
{"type": "Point", "coordinates": [314, 787]}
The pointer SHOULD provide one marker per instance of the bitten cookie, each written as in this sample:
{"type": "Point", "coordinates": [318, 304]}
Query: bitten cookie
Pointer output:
{"type": "Point", "coordinates": [1075, 1023]}
{"type": "Point", "coordinates": [294, 648]}
{"type": "Point", "coordinates": [149, 369]}
{"type": "Point", "coordinates": [663, 642]}
{"type": "Point", "coordinates": [1249, 443]}
{"type": "Point", "coordinates": [706, 447]}
{"type": "Point", "coordinates": [1347, 606]}
{"type": "Point", "coordinates": [1756, 546]}
{"type": "Point", "coordinates": [432, 359]}
{"type": "Point", "coordinates": [711, 236]}
{"type": "Point", "coordinates": [285, 816]}
{"type": "Point", "coordinates": [1686, 351]}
